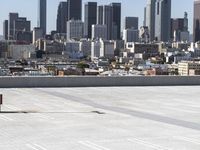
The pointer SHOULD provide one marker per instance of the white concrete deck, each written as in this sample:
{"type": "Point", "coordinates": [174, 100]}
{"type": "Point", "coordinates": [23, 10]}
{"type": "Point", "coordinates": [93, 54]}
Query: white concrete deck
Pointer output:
{"type": "Point", "coordinates": [129, 118]}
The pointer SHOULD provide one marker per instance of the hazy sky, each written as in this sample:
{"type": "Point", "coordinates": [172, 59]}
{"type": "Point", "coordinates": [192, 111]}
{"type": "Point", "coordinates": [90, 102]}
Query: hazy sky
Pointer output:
{"type": "Point", "coordinates": [28, 8]}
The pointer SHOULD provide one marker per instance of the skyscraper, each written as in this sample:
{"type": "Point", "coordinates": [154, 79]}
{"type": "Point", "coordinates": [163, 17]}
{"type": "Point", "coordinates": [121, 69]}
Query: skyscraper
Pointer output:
{"type": "Point", "coordinates": [99, 31]}
{"type": "Point", "coordinates": [42, 15]}
{"type": "Point", "coordinates": [131, 22]}
{"type": "Point", "coordinates": [145, 16]}
{"type": "Point", "coordinates": [150, 18]}
{"type": "Point", "coordinates": [21, 24]}
{"type": "Point", "coordinates": [100, 14]}
{"type": "Point", "coordinates": [177, 25]}
{"type": "Point", "coordinates": [90, 17]}
{"type": "Point", "coordinates": [37, 34]}
{"type": "Point", "coordinates": [110, 15]}
{"type": "Point", "coordinates": [179, 28]}
{"type": "Point", "coordinates": [108, 20]}
{"type": "Point", "coordinates": [74, 9]}
{"type": "Point", "coordinates": [131, 35]}
{"type": "Point", "coordinates": [62, 17]}
{"type": "Point", "coordinates": [185, 21]}
{"type": "Point", "coordinates": [5, 29]}
{"type": "Point", "coordinates": [12, 18]}
{"type": "Point", "coordinates": [75, 29]}
{"type": "Point", "coordinates": [116, 21]}
{"type": "Point", "coordinates": [196, 23]}
{"type": "Point", "coordinates": [163, 20]}
{"type": "Point", "coordinates": [22, 28]}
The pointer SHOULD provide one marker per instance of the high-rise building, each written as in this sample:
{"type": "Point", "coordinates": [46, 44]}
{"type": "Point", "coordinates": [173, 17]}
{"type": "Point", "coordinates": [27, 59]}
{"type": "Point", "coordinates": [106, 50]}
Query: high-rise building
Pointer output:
{"type": "Point", "coordinates": [116, 21]}
{"type": "Point", "coordinates": [99, 31]}
{"type": "Point", "coordinates": [22, 28]}
{"type": "Point", "coordinates": [90, 18]}
{"type": "Point", "coordinates": [18, 28]}
{"type": "Point", "coordinates": [62, 17]}
{"type": "Point", "coordinates": [144, 34]}
{"type": "Point", "coordinates": [150, 18]}
{"type": "Point", "coordinates": [85, 47]}
{"type": "Point", "coordinates": [107, 49]}
{"type": "Point", "coordinates": [100, 14]}
{"type": "Point", "coordinates": [185, 28]}
{"type": "Point", "coordinates": [163, 20]}
{"type": "Point", "coordinates": [179, 28]}
{"type": "Point", "coordinates": [12, 17]}
{"type": "Point", "coordinates": [75, 29]}
{"type": "Point", "coordinates": [95, 49]}
{"type": "Point", "coordinates": [5, 29]}
{"type": "Point", "coordinates": [145, 16]}
{"type": "Point", "coordinates": [196, 23]}
{"type": "Point", "coordinates": [131, 22]}
{"type": "Point", "coordinates": [42, 15]}
{"type": "Point", "coordinates": [177, 25]}
{"type": "Point", "coordinates": [74, 9]}
{"type": "Point", "coordinates": [110, 15]}
{"type": "Point", "coordinates": [37, 34]}
{"type": "Point", "coordinates": [130, 35]}
{"type": "Point", "coordinates": [22, 24]}
{"type": "Point", "coordinates": [107, 20]}
{"type": "Point", "coordinates": [25, 37]}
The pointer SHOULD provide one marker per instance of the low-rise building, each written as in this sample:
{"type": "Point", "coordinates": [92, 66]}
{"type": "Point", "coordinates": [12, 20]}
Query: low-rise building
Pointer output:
{"type": "Point", "coordinates": [184, 67]}
{"type": "Point", "coordinates": [156, 71]}
{"type": "Point", "coordinates": [193, 72]}
{"type": "Point", "coordinates": [149, 50]}
{"type": "Point", "coordinates": [195, 48]}
{"type": "Point", "coordinates": [20, 51]}
{"type": "Point", "coordinates": [180, 45]}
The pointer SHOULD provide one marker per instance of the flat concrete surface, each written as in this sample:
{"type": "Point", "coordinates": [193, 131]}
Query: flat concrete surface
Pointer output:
{"type": "Point", "coordinates": [106, 118]}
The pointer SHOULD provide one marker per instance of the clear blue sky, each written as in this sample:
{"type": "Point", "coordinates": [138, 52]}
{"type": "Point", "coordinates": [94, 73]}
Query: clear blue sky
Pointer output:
{"type": "Point", "coordinates": [28, 8]}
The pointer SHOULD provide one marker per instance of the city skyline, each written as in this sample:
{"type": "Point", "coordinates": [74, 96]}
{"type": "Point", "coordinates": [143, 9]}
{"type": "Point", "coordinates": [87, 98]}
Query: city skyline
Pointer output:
{"type": "Point", "coordinates": [23, 8]}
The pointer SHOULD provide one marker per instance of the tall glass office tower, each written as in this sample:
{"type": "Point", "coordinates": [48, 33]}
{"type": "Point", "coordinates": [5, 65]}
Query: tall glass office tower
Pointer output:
{"type": "Point", "coordinates": [116, 21]}
{"type": "Point", "coordinates": [74, 9]}
{"type": "Point", "coordinates": [196, 24]}
{"type": "Point", "coordinates": [42, 15]}
{"type": "Point", "coordinates": [150, 17]}
{"type": "Point", "coordinates": [163, 20]}
{"type": "Point", "coordinates": [110, 15]}
{"type": "Point", "coordinates": [62, 17]}
{"type": "Point", "coordinates": [90, 18]}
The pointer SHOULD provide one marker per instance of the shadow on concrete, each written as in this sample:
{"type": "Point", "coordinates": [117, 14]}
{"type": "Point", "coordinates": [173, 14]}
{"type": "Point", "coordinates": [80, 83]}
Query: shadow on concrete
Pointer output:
{"type": "Point", "coordinates": [38, 112]}
{"type": "Point", "coordinates": [17, 112]}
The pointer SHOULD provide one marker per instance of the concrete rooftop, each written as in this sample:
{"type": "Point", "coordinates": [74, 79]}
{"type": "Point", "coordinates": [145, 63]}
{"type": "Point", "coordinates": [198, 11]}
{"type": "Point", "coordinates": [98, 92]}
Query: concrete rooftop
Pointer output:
{"type": "Point", "coordinates": [106, 118]}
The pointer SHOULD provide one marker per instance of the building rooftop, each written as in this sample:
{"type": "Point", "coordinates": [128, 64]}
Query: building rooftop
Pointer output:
{"type": "Point", "coordinates": [106, 118]}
